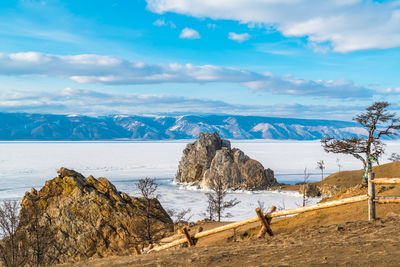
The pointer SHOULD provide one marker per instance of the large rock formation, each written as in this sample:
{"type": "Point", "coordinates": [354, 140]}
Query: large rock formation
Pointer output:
{"type": "Point", "coordinates": [211, 156]}
{"type": "Point", "coordinates": [83, 218]}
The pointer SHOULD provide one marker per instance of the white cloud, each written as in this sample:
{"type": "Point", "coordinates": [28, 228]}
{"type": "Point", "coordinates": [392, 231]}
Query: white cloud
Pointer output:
{"type": "Point", "coordinates": [390, 91]}
{"type": "Point", "coordinates": [188, 33]}
{"type": "Point", "coordinates": [348, 25]}
{"type": "Point", "coordinates": [294, 86]}
{"type": "Point", "coordinates": [90, 102]}
{"type": "Point", "coordinates": [239, 37]}
{"type": "Point", "coordinates": [80, 101]}
{"type": "Point", "coordinates": [161, 22]}
{"type": "Point", "coordinates": [113, 71]}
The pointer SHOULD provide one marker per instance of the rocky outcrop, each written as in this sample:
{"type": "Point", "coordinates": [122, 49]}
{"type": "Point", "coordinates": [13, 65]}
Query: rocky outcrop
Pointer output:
{"type": "Point", "coordinates": [314, 190]}
{"type": "Point", "coordinates": [83, 218]}
{"type": "Point", "coordinates": [310, 190]}
{"type": "Point", "coordinates": [211, 156]}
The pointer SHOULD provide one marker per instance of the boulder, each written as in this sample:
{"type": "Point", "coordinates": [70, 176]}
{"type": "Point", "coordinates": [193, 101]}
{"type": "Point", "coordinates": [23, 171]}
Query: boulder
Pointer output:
{"type": "Point", "coordinates": [86, 218]}
{"type": "Point", "coordinates": [211, 156]}
{"type": "Point", "coordinates": [310, 190]}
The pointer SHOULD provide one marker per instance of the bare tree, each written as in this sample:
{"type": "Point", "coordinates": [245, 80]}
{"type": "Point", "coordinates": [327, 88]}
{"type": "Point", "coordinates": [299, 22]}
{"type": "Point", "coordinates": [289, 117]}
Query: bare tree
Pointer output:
{"type": "Point", "coordinates": [41, 243]}
{"type": "Point", "coordinates": [209, 213]}
{"type": "Point", "coordinates": [216, 199]}
{"type": "Point", "coordinates": [11, 252]}
{"type": "Point", "coordinates": [321, 167]}
{"type": "Point", "coordinates": [179, 216]}
{"type": "Point", "coordinates": [394, 157]}
{"type": "Point", "coordinates": [149, 228]}
{"type": "Point", "coordinates": [378, 122]}
{"type": "Point", "coordinates": [338, 164]}
{"type": "Point", "coordinates": [147, 188]}
{"type": "Point", "coordinates": [261, 205]}
{"type": "Point", "coordinates": [27, 242]}
{"type": "Point", "coordinates": [305, 181]}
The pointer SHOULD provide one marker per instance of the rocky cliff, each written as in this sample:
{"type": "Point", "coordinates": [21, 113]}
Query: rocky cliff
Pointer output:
{"type": "Point", "coordinates": [80, 218]}
{"type": "Point", "coordinates": [211, 156]}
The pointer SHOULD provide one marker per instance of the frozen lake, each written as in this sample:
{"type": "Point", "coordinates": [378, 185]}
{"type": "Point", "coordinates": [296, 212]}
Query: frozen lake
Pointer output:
{"type": "Point", "coordinates": [29, 164]}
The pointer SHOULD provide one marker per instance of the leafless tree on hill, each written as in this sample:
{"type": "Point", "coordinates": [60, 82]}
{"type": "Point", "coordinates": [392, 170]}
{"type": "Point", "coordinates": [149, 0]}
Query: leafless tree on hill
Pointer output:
{"type": "Point", "coordinates": [379, 122]}
{"type": "Point", "coordinates": [321, 167]}
{"type": "Point", "coordinates": [179, 216]}
{"type": "Point", "coordinates": [305, 181]}
{"type": "Point", "coordinates": [338, 164]}
{"type": "Point", "coordinates": [148, 228]}
{"type": "Point", "coordinates": [43, 247]}
{"type": "Point", "coordinates": [216, 198]}
{"type": "Point", "coordinates": [11, 252]}
{"type": "Point", "coordinates": [30, 245]}
{"type": "Point", "coordinates": [262, 206]}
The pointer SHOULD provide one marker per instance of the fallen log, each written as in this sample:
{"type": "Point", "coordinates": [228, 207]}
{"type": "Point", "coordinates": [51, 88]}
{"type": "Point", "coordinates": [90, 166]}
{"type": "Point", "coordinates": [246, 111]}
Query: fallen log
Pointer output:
{"type": "Point", "coordinates": [387, 200]}
{"type": "Point", "coordinates": [386, 181]}
{"type": "Point", "coordinates": [272, 215]}
{"type": "Point", "coordinates": [319, 206]}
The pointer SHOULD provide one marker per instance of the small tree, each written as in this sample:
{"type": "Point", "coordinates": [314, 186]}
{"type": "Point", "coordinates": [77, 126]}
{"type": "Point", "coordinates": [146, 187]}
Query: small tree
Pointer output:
{"type": "Point", "coordinates": [216, 199]}
{"type": "Point", "coordinates": [11, 252]}
{"type": "Point", "coordinates": [179, 216]}
{"type": "Point", "coordinates": [147, 188]}
{"type": "Point", "coordinates": [261, 205]}
{"type": "Point", "coordinates": [305, 181]}
{"type": "Point", "coordinates": [153, 224]}
{"type": "Point", "coordinates": [321, 167]}
{"type": "Point", "coordinates": [338, 164]}
{"type": "Point", "coordinates": [42, 244]}
{"type": "Point", "coordinates": [378, 122]}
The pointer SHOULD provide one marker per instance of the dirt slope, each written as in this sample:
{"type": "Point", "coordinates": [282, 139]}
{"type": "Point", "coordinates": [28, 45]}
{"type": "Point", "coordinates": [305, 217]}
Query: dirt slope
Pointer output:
{"type": "Point", "coordinates": [348, 179]}
{"type": "Point", "coordinates": [339, 236]}
{"type": "Point", "coordinates": [350, 244]}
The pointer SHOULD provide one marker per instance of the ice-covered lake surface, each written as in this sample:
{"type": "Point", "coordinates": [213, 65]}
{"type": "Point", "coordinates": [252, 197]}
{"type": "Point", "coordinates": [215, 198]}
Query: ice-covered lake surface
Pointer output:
{"type": "Point", "coordinates": [29, 164]}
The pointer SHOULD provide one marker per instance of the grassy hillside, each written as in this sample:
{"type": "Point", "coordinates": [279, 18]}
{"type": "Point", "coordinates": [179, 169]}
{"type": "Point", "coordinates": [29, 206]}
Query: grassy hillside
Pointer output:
{"type": "Point", "coordinates": [352, 178]}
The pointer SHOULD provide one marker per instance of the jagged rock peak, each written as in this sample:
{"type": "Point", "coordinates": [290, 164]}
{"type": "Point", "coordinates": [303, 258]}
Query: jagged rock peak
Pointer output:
{"type": "Point", "coordinates": [211, 156]}
{"type": "Point", "coordinates": [86, 217]}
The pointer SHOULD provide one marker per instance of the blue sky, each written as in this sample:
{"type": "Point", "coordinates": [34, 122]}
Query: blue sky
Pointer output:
{"type": "Point", "coordinates": [303, 58]}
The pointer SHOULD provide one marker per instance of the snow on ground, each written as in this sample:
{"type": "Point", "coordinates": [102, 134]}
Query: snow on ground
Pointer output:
{"type": "Point", "coordinates": [29, 164]}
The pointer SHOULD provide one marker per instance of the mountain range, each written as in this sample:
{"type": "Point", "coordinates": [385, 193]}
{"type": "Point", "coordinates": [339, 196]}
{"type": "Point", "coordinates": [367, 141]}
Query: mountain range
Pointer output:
{"type": "Point", "coordinates": [49, 127]}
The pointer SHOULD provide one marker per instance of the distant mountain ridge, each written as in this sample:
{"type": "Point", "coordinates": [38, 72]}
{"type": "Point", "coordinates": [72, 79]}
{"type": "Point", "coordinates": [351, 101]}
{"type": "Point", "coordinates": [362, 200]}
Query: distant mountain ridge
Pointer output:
{"type": "Point", "coordinates": [47, 127]}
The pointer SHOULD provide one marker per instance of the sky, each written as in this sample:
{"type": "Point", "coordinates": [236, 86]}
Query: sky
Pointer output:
{"type": "Point", "coordinates": [283, 58]}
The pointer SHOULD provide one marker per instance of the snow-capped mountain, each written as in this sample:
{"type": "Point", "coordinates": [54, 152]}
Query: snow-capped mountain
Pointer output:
{"type": "Point", "coordinates": [21, 126]}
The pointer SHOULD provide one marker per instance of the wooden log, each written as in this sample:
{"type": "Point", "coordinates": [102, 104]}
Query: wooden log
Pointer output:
{"type": "Point", "coordinates": [170, 245]}
{"type": "Point", "coordinates": [387, 200]}
{"type": "Point", "coordinates": [226, 227]}
{"type": "Point", "coordinates": [263, 220]}
{"type": "Point", "coordinates": [386, 181]}
{"type": "Point", "coordinates": [268, 219]}
{"type": "Point", "coordinates": [272, 215]}
{"type": "Point", "coordinates": [137, 251]}
{"type": "Point", "coordinates": [319, 206]}
{"type": "Point", "coordinates": [187, 236]}
{"type": "Point", "coordinates": [371, 197]}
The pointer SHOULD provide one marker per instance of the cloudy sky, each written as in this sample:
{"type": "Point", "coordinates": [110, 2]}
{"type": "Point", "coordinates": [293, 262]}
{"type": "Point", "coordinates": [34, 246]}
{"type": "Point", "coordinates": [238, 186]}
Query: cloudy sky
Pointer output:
{"type": "Point", "coordinates": [290, 58]}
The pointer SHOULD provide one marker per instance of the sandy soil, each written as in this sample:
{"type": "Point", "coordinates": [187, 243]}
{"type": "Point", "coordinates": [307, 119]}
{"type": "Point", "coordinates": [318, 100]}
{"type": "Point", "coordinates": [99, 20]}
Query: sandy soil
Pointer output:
{"type": "Point", "coordinates": [350, 244]}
